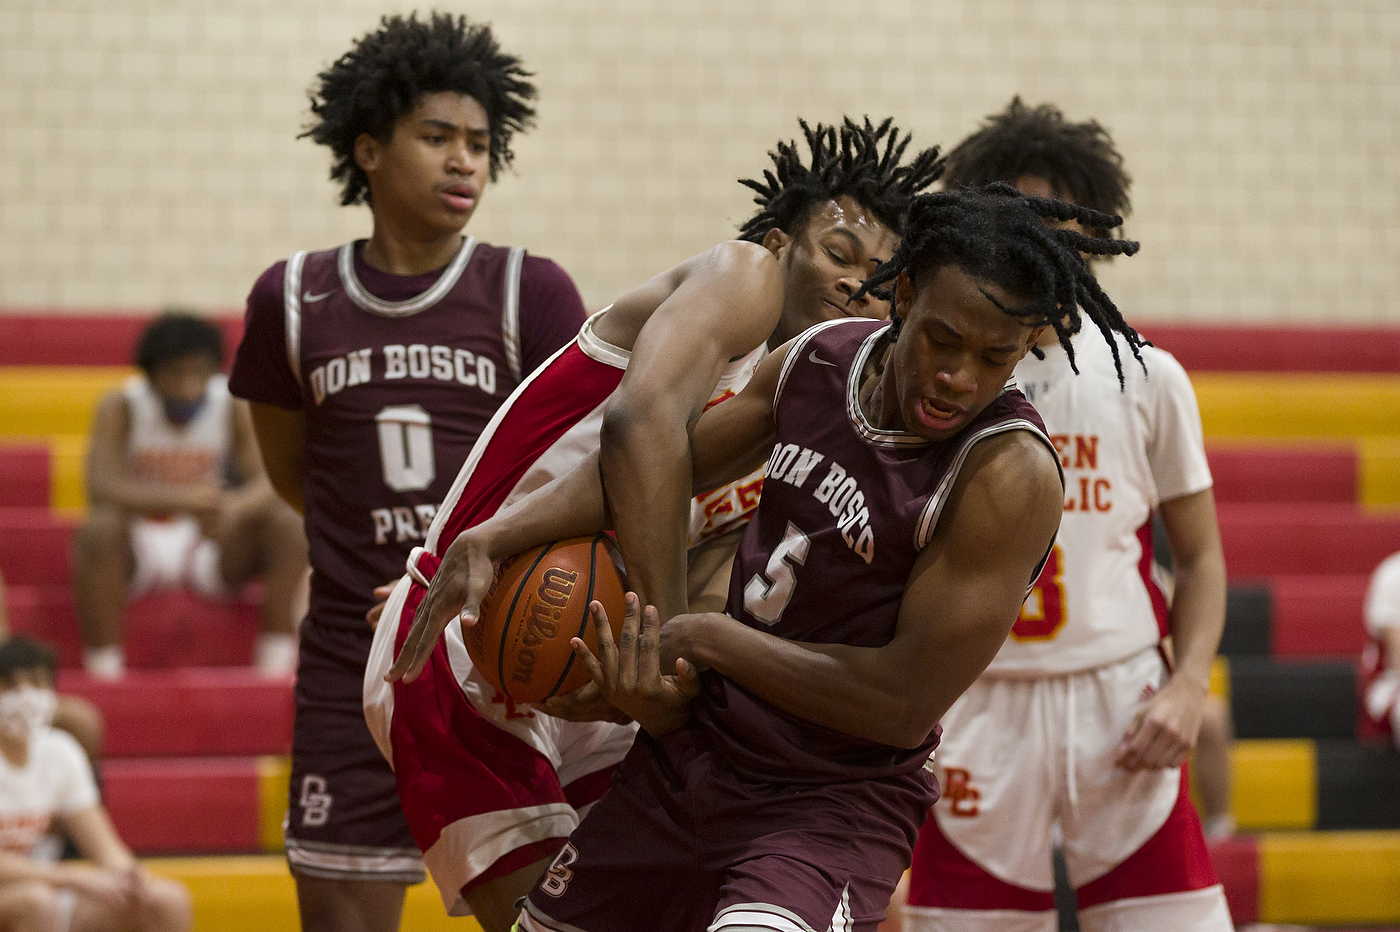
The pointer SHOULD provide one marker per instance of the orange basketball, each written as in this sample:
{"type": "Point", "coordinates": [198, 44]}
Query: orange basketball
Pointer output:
{"type": "Point", "coordinates": [539, 601]}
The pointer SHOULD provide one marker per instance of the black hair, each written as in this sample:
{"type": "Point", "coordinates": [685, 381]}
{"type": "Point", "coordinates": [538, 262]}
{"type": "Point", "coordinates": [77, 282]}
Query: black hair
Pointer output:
{"type": "Point", "coordinates": [20, 653]}
{"type": "Point", "coordinates": [859, 160]}
{"type": "Point", "coordinates": [388, 72]}
{"type": "Point", "coordinates": [998, 235]}
{"type": "Point", "coordinates": [1078, 159]}
{"type": "Point", "coordinates": [175, 334]}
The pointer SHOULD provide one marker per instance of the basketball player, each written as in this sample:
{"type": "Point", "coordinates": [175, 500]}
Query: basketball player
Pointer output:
{"type": "Point", "coordinates": [178, 498]}
{"type": "Point", "coordinates": [1379, 676]}
{"type": "Point", "coordinates": [911, 497]}
{"type": "Point", "coordinates": [490, 789]}
{"type": "Point", "coordinates": [1078, 720]}
{"type": "Point", "coordinates": [372, 369]}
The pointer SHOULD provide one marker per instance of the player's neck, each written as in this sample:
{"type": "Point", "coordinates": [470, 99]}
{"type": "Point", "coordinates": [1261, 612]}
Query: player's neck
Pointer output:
{"type": "Point", "coordinates": [397, 250]}
{"type": "Point", "coordinates": [874, 392]}
{"type": "Point", "coordinates": [1048, 338]}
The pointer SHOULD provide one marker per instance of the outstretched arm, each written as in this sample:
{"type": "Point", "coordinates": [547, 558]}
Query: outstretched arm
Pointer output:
{"type": "Point", "coordinates": [962, 599]}
{"type": "Point", "coordinates": [728, 303]}
{"type": "Point", "coordinates": [731, 439]}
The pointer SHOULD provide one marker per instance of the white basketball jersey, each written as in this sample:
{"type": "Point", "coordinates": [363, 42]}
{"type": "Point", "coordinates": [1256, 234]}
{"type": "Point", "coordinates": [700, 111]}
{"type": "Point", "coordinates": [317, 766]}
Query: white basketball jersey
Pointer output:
{"type": "Point", "coordinates": [728, 507]}
{"type": "Point", "coordinates": [163, 452]}
{"type": "Point", "coordinates": [1122, 452]}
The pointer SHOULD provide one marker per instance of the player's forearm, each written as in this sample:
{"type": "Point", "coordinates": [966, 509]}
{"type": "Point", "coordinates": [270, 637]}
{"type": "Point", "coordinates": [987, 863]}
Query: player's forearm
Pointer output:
{"type": "Point", "coordinates": [1197, 617]}
{"type": "Point", "coordinates": [569, 506]}
{"type": "Point", "coordinates": [15, 868]}
{"type": "Point", "coordinates": [847, 689]}
{"type": "Point", "coordinates": [138, 496]}
{"type": "Point", "coordinates": [646, 470]}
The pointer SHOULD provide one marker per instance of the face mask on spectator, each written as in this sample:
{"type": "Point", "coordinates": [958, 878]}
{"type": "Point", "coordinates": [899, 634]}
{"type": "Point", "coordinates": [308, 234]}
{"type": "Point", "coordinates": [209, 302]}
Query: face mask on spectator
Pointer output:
{"type": "Point", "coordinates": [181, 413]}
{"type": "Point", "coordinates": [25, 709]}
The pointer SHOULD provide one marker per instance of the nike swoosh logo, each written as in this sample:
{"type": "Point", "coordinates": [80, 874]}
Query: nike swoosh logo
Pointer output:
{"type": "Point", "coordinates": [309, 298]}
{"type": "Point", "coordinates": [821, 362]}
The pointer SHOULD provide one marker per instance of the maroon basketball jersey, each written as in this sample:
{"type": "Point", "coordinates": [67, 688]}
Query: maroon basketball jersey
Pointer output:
{"type": "Point", "coordinates": [398, 376]}
{"type": "Point", "coordinates": [846, 509]}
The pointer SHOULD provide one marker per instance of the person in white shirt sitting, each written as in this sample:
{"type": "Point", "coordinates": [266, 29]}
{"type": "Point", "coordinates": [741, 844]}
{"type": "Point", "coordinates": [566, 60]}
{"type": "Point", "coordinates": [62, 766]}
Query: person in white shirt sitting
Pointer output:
{"type": "Point", "coordinates": [45, 779]}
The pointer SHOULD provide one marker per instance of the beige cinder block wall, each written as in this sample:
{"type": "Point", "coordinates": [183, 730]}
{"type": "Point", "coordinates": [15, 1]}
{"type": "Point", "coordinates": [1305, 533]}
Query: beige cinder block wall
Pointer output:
{"type": "Point", "coordinates": [149, 154]}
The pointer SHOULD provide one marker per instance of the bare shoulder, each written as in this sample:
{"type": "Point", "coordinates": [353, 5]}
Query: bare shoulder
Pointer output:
{"type": "Point", "coordinates": [731, 267]}
{"type": "Point", "coordinates": [1009, 481]}
{"type": "Point", "coordinates": [1016, 470]}
{"type": "Point", "coordinates": [113, 413]}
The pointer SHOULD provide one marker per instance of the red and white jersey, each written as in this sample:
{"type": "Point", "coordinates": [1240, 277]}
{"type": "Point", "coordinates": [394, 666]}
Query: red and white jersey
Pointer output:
{"type": "Point", "coordinates": [56, 780]}
{"type": "Point", "coordinates": [192, 454]}
{"type": "Point", "coordinates": [1379, 681]}
{"type": "Point", "coordinates": [714, 513]}
{"type": "Point", "coordinates": [1123, 452]}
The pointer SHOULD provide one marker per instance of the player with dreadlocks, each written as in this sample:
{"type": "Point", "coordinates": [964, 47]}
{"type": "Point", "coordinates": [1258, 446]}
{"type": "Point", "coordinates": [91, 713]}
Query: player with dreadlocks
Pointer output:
{"type": "Point", "coordinates": [911, 497]}
{"type": "Point", "coordinates": [372, 369]}
{"type": "Point", "coordinates": [1078, 719]}
{"type": "Point", "coordinates": [829, 210]}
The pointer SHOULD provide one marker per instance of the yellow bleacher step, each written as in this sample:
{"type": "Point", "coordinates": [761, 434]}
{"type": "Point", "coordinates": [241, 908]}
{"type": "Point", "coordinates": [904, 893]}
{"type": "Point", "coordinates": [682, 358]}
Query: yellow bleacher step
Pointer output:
{"type": "Point", "coordinates": [1330, 878]}
{"type": "Point", "coordinates": [1275, 783]}
{"type": "Point", "coordinates": [40, 401]}
{"type": "Point", "coordinates": [235, 894]}
{"type": "Point", "coordinates": [1335, 406]}
{"type": "Point", "coordinates": [1379, 467]}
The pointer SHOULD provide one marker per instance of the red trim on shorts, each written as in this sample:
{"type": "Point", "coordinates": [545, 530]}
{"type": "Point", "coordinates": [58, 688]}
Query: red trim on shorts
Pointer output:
{"type": "Point", "coordinates": [943, 877]}
{"type": "Point", "coordinates": [1154, 591]}
{"type": "Point", "coordinates": [590, 787]}
{"type": "Point", "coordinates": [514, 860]}
{"type": "Point", "coordinates": [1174, 860]}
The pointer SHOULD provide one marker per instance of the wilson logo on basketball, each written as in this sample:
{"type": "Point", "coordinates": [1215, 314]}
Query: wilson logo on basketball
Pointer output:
{"type": "Point", "coordinates": [546, 610]}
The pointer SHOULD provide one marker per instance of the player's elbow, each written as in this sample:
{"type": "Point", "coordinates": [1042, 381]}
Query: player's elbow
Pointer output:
{"type": "Point", "coordinates": [910, 733]}
{"type": "Point", "coordinates": [641, 419]}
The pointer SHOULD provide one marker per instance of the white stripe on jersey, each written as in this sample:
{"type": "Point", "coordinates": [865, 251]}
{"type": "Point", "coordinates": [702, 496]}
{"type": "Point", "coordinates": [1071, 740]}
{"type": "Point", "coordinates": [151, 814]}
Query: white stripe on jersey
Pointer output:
{"type": "Point", "coordinates": [510, 314]}
{"type": "Point", "coordinates": [291, 308]}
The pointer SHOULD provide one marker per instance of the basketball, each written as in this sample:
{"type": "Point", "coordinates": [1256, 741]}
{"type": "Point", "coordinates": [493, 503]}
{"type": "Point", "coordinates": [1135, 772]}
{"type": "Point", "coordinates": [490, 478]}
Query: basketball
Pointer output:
{"type": "Point", "coordinates": [539, 600]}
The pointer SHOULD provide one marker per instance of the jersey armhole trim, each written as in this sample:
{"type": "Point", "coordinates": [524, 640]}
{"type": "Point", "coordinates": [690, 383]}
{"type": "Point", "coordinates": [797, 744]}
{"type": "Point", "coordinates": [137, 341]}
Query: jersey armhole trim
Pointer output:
{"type": "Point", "coordinates": [510, 313]}
{"type": "Point", "coordinates": [291, 310]}
{"type": "Point", "coordinates": [933, 508]}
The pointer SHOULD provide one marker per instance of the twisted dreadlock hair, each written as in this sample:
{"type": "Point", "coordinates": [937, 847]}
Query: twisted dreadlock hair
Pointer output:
{"type": "Point", "coordinates": [858, 160]}
{"type": "Point", "coordinates": [388, 72]}
{"type": "Point", "coordinates": [1078, 159]}
{"type": "Point", "coordinates": [998, 235]}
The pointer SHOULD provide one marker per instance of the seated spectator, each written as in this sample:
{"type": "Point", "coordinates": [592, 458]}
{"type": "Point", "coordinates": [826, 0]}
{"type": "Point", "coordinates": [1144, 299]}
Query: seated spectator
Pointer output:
{"type": "Point", "coordinates": [178, 498]}
{"type": "Point", "coordinates": [44, 778]}
{"type": "Point", "coordinates": [1380, 662]}
{"type": "Point", "coordinates": [73, 714]}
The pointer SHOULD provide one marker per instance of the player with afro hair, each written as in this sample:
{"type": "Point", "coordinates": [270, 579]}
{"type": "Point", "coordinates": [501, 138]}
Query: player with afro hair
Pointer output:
{"type": "Point", "coordinates": [383, 78]}
{"type": "Point", "coordinates": [372, 369]}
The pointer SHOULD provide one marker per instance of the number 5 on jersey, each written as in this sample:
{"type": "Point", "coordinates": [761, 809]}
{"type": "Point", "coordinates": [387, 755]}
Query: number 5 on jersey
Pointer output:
{"type": "Point", "coordinates": [768, 593]}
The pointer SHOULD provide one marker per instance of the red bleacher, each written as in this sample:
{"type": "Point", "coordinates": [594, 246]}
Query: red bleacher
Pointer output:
{"type": "Point", "coordinates": [1263, 348]}
{"type": "Point", "coordinates": [181, 804]}
{"type": "Point", "coordinates": [25, 476]}
{"type": "Point", "coordinates": [58, 339]}
{"type": "Point", "coordinates": [1304, 538]}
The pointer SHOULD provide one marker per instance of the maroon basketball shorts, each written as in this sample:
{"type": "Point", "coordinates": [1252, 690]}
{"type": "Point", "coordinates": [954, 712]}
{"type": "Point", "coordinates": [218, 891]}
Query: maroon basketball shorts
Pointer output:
{"type": "Point", "coordinates": [682, 842]}
{"type": "Point", "coordinates": [343, 820]}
